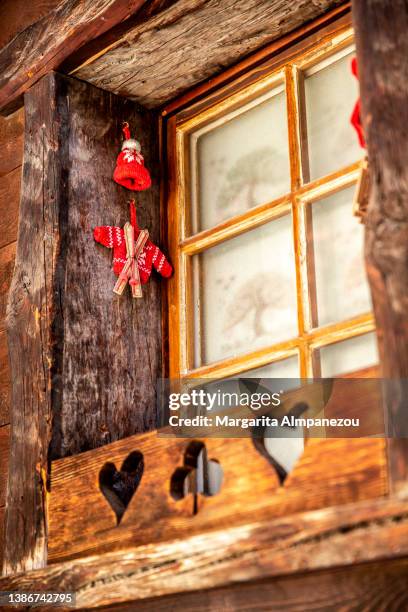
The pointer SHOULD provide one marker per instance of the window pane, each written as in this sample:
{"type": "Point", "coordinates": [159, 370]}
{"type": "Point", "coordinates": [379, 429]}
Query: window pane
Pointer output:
{"type": "Point", "coordinates": [341, 284]}
{"type": "Point", "coordinates": [331, 93]}
{"type": "Point", "coordinates": [241, 164]}
{"type": "Point", "coordinates": [285, 445]}
{"type": "Point", "coordinates": [349, 355]}
{"type": "Point", "coordinates": [244, 292]}
{"type": "Point", "coordinates": [286, 368]}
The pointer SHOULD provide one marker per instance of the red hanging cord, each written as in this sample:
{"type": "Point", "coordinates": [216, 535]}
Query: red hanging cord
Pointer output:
{"type": "Point", "coordinates": [133, 219]}
{"type": "Point", "coordinates": [126, 130]}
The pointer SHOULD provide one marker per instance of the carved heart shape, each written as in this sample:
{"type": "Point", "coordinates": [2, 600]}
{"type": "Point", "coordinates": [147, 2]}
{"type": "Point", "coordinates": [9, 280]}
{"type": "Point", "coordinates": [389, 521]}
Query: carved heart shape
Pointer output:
{"type": "Point", "coordinates": [119, 486]}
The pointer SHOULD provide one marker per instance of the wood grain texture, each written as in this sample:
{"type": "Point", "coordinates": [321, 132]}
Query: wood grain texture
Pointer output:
{"type": "Point", "coordinates": [45, 44]}
{"type": "Point", "coordinates": [17, 15]}
{"type": "Point", "coordinates": [10, 185]}
{"type": "Point", "coordinates": [341, 537]}
{"type": "Point", "coordinates": [82, 522]}
{"type": "Point", "coordinates": [1, 533]}
{"type": "Point", "coordinates": [30, 317]}
{"type": "Point", "coordinates": [4, 461]}
{"type": "Point", "coordinates": [4, 380]}
{"type": "Point", "coordinates": [11, 140]}
{"type": "Point", "coordinates": [111, 345]}
{"type": "Point", "coordinates": [382, 47]}
{"type": "Point", "coordinates": [7, 259]}
{"type": "Point", "coordinates": [261, 62]}
{"type": "Point", "coordinates": [190, 41]}
{"type": "Point", "coordinates": [369, 586]}
{"type": "Point", "coordinates": [79, 356]}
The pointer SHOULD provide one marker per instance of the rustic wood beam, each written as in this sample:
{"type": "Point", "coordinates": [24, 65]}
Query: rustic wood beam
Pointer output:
{"type": "Point", "coordinates": [17, 15]}
{"type": "Point", "coordinates": [369, 585]}
{"type": "Point", "coordinates": [44, 45]}
{"type": "Point", "coordinates": [340, 536]}
{"type": "Point", "coordinates": [31, 302]}
{"type": "Point", "coordinates": [160, 58]}
{"type": "Point", "coordinates": [382, 49]}
{"type": "Point", "coordinates": [92, 35]}
{"type": "Point", "coordinates": [83, 361]}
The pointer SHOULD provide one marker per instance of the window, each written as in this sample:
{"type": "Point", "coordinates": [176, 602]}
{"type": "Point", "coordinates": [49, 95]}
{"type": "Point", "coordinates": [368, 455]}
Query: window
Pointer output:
{"type": "Point", "coordinates": [269, 259]}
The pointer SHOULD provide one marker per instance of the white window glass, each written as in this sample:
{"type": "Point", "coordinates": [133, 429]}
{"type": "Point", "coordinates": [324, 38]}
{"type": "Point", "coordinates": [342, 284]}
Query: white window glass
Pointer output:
{"type": "Point", "coordinates": [285, 450]}
{"type": "Point", "coordinates": [245, 293]}
{"type": "Point", "coordinates": [285, 445]}
{"type": "Point", "coordinates": [286, 368]}
{"type": "Point", "coordinates": [241, 163]}
{"type": "Point", "coordinates": [341, 284]}
{"type": "Point", "coordinates": [349, 355]}
{"type": "Point", "coordinates": [331, 92]}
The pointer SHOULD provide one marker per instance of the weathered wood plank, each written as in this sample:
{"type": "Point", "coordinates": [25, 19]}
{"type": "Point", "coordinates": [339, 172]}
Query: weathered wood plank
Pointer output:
{"type": "Point", "coordinates": [31, 301]}
{"type": "Point", "coordinates": [333, 537]}
{"type": "Point", "coordinates": [4, 381]}
{"type": "Point", "coordinates": [382, 48]}
{"type": "Point", "coordinates": [100, 44]}
{"type": "Point", "coordinates": [82, 522]}
{"type": "Point", "coordinates": [4, 461]}
{"type": "Point", "coordinates": [111, 345]}
{"type": "Point", "coordinates": [80, 356]}
{"type": "Point", "coordinates": [1, 533]}
{"type": "Point", "coordinates": [260, 63]}
{"type": "Point", "coordinates": [380, 586]}
{"type": "Point", "coordinates": [17, 15]}
{"type": "Point", "coordinates": [10, 185]}
{"type": "Point", "coordinates": [191, 41]}
{"type": "Point", "coordinates": [46, 43]}
{"type": "Point", "coordinates": [11, 141]}
{"type": "Point", "coordinates": [7, 259]}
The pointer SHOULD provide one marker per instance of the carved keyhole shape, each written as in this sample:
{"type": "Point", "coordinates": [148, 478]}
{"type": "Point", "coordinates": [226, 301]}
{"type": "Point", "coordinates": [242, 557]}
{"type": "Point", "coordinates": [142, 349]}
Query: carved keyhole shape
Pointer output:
{"type": "Point", "coordinates": [198, 476]}
{"type": "Point", "coordinates": [119, 486]}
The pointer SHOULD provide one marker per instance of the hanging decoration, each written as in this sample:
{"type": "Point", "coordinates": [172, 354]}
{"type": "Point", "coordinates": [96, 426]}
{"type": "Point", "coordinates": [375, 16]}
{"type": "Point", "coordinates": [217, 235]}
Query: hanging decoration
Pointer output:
{"type": "Point", "coordinates": [355, 118]}
{"type": "Point", "coordinates": [130, 171]}
{"type": "Point", "coordinates": [133, 254]}
{"type": "Point", "coordinates": [362, 193]}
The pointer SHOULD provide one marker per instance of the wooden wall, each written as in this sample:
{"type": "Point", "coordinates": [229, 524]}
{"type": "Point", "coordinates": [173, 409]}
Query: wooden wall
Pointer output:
{"type": "Point", "coordinates": [11, 156]}
{"type": "Point", "coordinates": [17, 15]}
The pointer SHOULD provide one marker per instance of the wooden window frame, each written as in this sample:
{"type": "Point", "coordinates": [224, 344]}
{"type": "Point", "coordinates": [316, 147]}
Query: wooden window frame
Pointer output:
{"type": "Point", "coordinates": [286, 68]}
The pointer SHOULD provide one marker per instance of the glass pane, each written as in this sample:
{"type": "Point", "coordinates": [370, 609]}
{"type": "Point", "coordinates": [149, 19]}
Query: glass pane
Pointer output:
{"type": "Point", "coordinates": [285, 445]}
{"type": "Point", "coordinates": [242, 163]}
{"type": "Point", "coordinates": [285, 450]}
{"type": "Point", "coordinates": [331, 93]}
{"type": "Point", "coordinates": [245, 295]}
{"type": "Point", "coordinates": [286, 368]}
{"type": "Point", "coordinates": [341, 284]}
{"type": "Point", "coordinates": [349, 355]}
